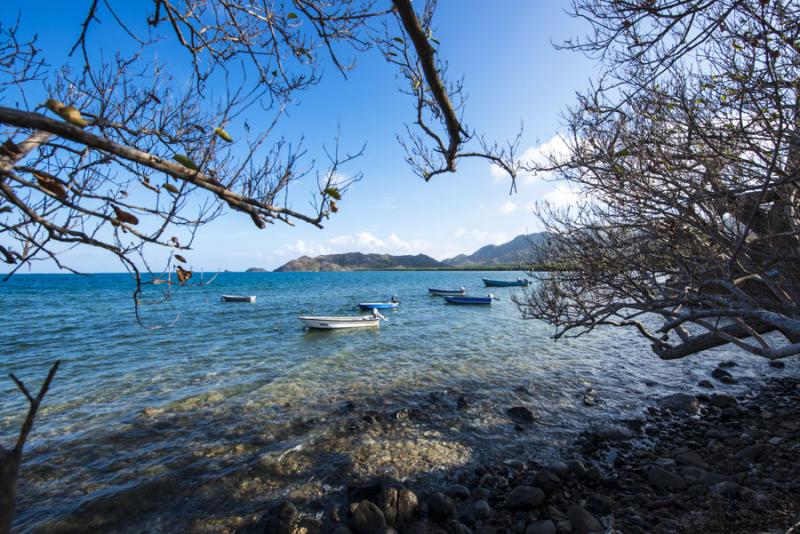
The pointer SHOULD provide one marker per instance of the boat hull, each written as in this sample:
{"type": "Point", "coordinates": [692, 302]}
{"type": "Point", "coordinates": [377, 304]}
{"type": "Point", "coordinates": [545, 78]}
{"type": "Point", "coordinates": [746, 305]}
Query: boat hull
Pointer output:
{"type": "Point", "coordinates": [504, 283]}
{"type": "Point", "coordinates": [445, 292]}
{"type": "Point", "coordinates": [237, 298]}
{"type": "Point", "coordinates": [378, 305]}
{"type": "Point", "coordinates": [481, 301]}
{"type": "Point", "coordinates": [337, 323]}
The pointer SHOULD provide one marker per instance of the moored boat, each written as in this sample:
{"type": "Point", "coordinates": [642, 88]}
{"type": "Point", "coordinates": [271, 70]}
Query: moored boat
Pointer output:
{"type": "Point", "coordinates": [238, 298]}
{"type": "Point", "coordinates": [519, 282]}
{"type": "Point", "coordinates": [464, 299]}
{"type": "Point", "coordinates": [445, 292]}
{"type": "Point", "coordinates": [378, 305]}
{"type": "Point", "coordinates": [333, 323]}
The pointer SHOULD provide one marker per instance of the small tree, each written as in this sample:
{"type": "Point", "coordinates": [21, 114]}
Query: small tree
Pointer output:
{"type": "Point", "coordinates": [119, 155]}
{"type": "Point", "coordinates": [687, 151]}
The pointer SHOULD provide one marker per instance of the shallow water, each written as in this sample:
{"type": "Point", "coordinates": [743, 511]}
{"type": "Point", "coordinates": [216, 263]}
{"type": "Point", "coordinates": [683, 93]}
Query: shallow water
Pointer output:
{"type": "Point", "coordinates": [198, 425]}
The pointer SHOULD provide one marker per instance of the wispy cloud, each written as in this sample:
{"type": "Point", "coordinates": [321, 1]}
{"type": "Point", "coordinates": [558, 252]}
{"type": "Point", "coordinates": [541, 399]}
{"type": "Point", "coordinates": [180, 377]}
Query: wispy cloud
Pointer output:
{"type": "Point", "coordinates": [555, 147]}
{"type": "Point", "coordinates": [563, 195]}
{"type": "Point", "coordinates": [508, 206]}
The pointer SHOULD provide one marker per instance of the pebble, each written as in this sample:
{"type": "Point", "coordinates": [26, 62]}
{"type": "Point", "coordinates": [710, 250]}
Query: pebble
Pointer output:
{"type": "Point", "coordinates": [582, 520]}
{"type": "Point", "coordinates": [367, 518]}
{"type": "Point", "coordinates": [663, 479]}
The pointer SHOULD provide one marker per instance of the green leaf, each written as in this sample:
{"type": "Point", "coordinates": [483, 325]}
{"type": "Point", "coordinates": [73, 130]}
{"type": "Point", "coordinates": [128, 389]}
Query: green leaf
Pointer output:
{"type": "Point", "coordinates": [398, 40]}
{"type": "Point", "coordinates": [291, 15]}
{"type": "Point", "coordinates": [185, 161]}
{"type": "Point", "coordinates": [333, 193]}
{"type": "Point", "coordinates": [225, 136]}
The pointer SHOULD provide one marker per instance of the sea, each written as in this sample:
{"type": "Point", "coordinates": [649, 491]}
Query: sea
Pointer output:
{"type": "Point", "coordinates": [201, 414]}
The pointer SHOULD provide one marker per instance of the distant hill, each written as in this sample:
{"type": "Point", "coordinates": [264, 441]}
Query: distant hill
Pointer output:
{"type": "Point", "coordinates": [515, 252]}
{"type": "Point", "coordinates": [356, 261]}
{"type": "Point", "coordinates": [256, 270]}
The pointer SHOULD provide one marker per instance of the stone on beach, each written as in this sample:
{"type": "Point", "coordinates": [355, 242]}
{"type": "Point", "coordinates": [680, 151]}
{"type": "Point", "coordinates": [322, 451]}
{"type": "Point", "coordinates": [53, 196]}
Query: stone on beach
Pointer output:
{"type": "Point", "coordinates": [525, 497]}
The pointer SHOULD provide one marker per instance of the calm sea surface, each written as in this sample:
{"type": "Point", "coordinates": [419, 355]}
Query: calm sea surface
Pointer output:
{"type": "Point", "coordinates": [201, 424]}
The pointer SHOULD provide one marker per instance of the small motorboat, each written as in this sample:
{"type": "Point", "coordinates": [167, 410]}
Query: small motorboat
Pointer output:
{"type": "Point", "coordinates": [238, 298]}
{"type": "Point", "coordinates": [333, 323]}
{"type": "Point", "coordinates": [519, 282]}
{"type": "Point", "coordinates": [378, 305]}
{"type": "Point", "coordinates": [445, 292]}
{"type": "Point", "coordinates": [464, 299]}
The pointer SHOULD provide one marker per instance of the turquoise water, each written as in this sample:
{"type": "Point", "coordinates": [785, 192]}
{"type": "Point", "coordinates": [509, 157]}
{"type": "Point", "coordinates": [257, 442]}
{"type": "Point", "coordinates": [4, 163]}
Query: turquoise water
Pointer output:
{"type": "Point", "coordinates": [198, 425]}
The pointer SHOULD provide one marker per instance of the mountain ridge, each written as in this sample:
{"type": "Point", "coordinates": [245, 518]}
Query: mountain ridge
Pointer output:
{"type": "Point", "coordinates": [512, 254]}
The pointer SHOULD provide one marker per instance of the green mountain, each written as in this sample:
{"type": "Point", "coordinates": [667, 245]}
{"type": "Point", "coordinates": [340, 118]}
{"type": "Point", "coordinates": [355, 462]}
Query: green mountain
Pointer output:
{"type": "Point", "coordinates": [356, 261]}
{"type": "Point", "coordinates": [516, 252]}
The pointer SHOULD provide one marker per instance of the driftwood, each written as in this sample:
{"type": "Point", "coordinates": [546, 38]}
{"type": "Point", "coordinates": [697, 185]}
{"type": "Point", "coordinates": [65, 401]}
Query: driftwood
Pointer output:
{"type": "Point", "coordinates": [10, 458]}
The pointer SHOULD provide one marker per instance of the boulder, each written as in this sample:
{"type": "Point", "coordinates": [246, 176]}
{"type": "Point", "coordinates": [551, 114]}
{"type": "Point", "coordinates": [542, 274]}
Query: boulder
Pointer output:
{"type": "Point", "coordinates": [723, 401]}
{"type": "Point", "coordinates": [680, 402]}
{"type": "Point", "coordinates": [541, 527]}
{"type": "Point", "coordinates": [576, 467]}
{"type": "Point", "coordinates": [663, 479]}
{"type": "Point", "coordinates": [705, 384]}
{"type": "Point", "coordinates": [600, 504]}
{"type": "Point", "coordinates": [482, 510]}
{"type": "Point", "coordinates": [727, 364]}
{"type": "Point", "coordinates": [689, 457]}
{"type": "Point", "coordinates": [582, 521]}
{"type": "Point", "coordinates": [521, 414]}
{"type": "Point", "coordinates": [398, 504]}
{"type": "Point", "coordinates": [457, 491]}
{"type": "Point", "coordinates": [777, 364]}
{"type": "Point", "coordinates": [367, 518]}
{"type": "Point", "coordinates": [547, 480]}
{"type": "Point", "coordinates": [525, 497]}
{"type": "Point", "coordinates": [281, 519]}
{"type": "Point", "coordinates": [441, 508]}
{"type": "Point", "coordinates": [559, 468]}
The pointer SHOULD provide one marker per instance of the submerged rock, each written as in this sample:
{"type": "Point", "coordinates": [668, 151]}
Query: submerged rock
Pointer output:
{"type": "Point", "coordinates": [680, 402]}
{"type": "Point", "coordinates": [282, 519]}
{"type": "Point", "coordinates": [521, 414]}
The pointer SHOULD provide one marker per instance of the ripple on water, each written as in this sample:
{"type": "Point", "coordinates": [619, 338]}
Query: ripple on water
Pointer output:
{"type": "Point", "coordinates": [198, 425]}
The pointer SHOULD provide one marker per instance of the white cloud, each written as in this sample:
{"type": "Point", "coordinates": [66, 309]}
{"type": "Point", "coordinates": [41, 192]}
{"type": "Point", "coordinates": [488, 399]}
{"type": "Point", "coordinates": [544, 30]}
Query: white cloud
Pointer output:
{"type": "Point", "coordinates": [508, 207]}
{"type": "Point", "coordinates": [563, 195]}
{"type": "Point", "coordinates": [366, 239]}
{"type": "Point", "coordinates": [556, 147]}
{"type": "Point", "coordinates": [460, 232]}
{"type": "Point", "coordinates": [500, 176]}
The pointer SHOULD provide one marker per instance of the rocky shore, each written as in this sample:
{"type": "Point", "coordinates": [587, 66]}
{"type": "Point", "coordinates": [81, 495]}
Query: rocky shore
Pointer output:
{"type": "Point", "coordinates": [693, 464]}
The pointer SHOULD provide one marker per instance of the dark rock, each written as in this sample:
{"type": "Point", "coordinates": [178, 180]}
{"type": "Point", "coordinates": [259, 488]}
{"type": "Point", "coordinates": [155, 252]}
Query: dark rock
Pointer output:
{"type": "Point", "coordinates": [525, 497]}
{"type": "Point", "coordinates": [309, 525]}
{"type": "Point", "coordinates": [367, 518]}
{"type": "Point", "coordinates": [663, 479]}
{"type": "Point", "coordinates": [441, 508]}
{"type": "Point", "coordinates": [723, 376]}
{"type": "Point", "coordinates": [582, 521]}
{"type": "Point", "coordinates": [576, 467]}
{"type": "Point", "coordinates": [600, 504]}
{"type": "Point", "coordinates": [559, 468]}
{"type": "Point", "coordinates": [564, 527]}
{"type": "Point", "coordinates": [282, 519]}
{"type": "Point", "coordinates": [459, 528]}
{"type": "Point", "coordinates": [689, 457]}
{"type": "Point", "coordinates": [521, 414]}
{"type": "Point", "coordinates": [696, 476]}
{"type": "Point", "coordinates": [481, 494]}
{"type": "Point", "coordinates": [589, 400]}
{"type": "Point", "coordinates": [705, 384]}
{"type": "Point", "coordinates": [680, 402]}
{"type": "Point", "coordinates": [753, 452]}
{"type": "Point", "coordinates": [723, 401]}
{"type": "Point", "coordinates": [358, 492]}
{"type": "Point", "coordinates": [541, 527]}
{"type": "Point", "coordinates": [547, 480]}
{"type": "Point", "coordinates": [482, 509]}
{"type": "Point", "coordinates": [341, 529]}
{"type": "Point", "coordinates": [777, 364]}
{"type": "Point", "coordinates": [727, 364]}
{"type": "Point", "coordinates": [727, 489]}
{"type": "Point", "coordinates": [457, 491]}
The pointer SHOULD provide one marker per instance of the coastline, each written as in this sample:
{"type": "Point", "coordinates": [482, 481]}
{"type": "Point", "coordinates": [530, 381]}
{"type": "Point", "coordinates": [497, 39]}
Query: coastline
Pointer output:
{"type": "Point", "coordinates": [694, 464]}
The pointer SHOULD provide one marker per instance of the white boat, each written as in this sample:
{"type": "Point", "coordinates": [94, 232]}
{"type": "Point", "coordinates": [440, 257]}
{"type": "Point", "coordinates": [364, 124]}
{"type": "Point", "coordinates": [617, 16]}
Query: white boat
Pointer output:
{"type": "Point", "coordinates": [238, 298]}
{"type": "Point", "coordinates": [331, 323]}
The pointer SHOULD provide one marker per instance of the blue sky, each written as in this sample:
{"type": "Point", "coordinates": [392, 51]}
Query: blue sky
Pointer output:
{"type": "Point", "coordinates": [511, 72]}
